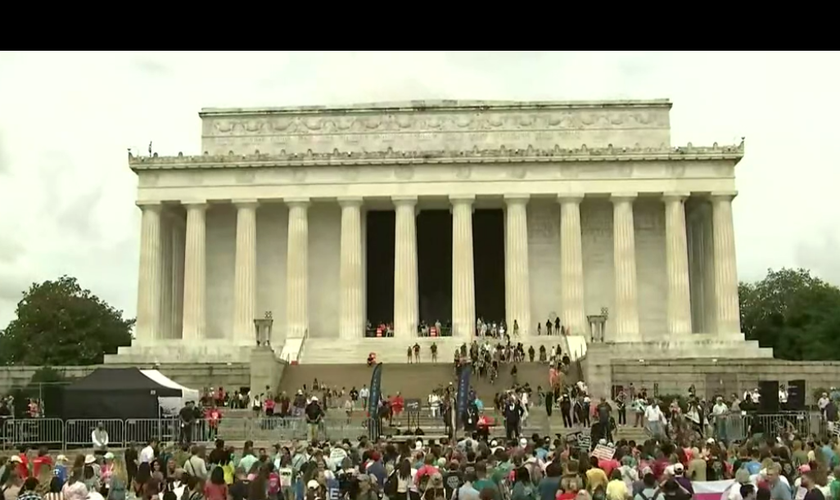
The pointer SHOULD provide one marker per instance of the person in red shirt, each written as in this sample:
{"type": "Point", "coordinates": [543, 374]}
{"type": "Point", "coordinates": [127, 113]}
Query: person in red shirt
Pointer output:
{"type": "Point", "coordinates": [22, 462]}
{"type": "Point", "coordinates": [397, 405]}
{"type": "Point", "coordinates": [213, 416]}
{"type": "Point", "coordinates": [43, 458]}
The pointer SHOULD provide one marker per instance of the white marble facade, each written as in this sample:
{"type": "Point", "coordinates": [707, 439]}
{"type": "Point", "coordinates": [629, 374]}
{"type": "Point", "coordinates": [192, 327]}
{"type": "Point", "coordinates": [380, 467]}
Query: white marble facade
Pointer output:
{"type": "Point", "coordinates": [600, 211]}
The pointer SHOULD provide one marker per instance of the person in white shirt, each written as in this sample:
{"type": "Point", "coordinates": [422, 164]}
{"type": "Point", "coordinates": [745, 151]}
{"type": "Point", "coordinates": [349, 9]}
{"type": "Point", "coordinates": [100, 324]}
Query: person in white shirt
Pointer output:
{"type": "Point", "coordinates": [823, 402]}
{"type": "Point", "coordinates": [654, 419]}
{"type": "Point", "coordinates": [147, 454]}
{"type": "Point", "coordinates": [434, 404]}
{"type": "Point", "coordinates": [364, 394]}
{"type": "Point", "coordinates": [783, 396]}
{"type": "Point", "coordinates": [195, 465]}
{"type": "Point", "coordinates": [99, 437]}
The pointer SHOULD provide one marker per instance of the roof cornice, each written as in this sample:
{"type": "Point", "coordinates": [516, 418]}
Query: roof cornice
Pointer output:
{"type": "Point", "coordinates": [390, 157]}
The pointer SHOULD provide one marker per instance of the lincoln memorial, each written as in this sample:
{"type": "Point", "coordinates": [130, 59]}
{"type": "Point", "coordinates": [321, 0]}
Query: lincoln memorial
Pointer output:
{"type": "Point", "coordinates": [327, 218]}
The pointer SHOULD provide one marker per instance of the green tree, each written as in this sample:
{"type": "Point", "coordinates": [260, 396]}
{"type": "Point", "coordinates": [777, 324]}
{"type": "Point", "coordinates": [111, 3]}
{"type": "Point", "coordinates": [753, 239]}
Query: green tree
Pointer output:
{"type": "Point", "coordinates": [796, 314]}
{"type": "Point", "coordinates": [60, 323]}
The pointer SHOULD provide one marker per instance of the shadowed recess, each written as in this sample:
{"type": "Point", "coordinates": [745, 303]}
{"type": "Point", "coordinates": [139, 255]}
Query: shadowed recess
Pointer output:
{"type": "Point", "coordinates": [380, 265]}
{"type": "Point", "coordinates": [489, 262]}
{"type": "Point", "coordinates": [434, 263]}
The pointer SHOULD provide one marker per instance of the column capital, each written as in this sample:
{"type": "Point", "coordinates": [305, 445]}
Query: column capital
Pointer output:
{"type": "Point", "coordinates": [245, 203]}
{"type": "Point", "coordinates": [154, 206]}
{"type": "Point", "coordinates": [405, 201]}
{"type": "Point", "coordinates": [672, 196]}
{"type": "Point", "coordinates": [511, 199]}
{"type": "Point", "coordinates": [569, 198]}
{"type": "Point", "coordinates": [619, 197]}
{"type": "Point", "coordinates": [350, 201]}
{"type": "Point", "coordinates": [195, 204]}
{"type": "Point", "coordinates": [465, 199]}
{"type": "Point", "coordinates": [301, 202]}
{"type": "Point", "coordinates": [723, 195]}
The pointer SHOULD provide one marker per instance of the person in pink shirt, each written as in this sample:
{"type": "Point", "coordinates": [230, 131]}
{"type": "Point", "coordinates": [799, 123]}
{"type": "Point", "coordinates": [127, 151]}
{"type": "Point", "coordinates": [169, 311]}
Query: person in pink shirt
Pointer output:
{"type": "Point", "coordinates": [427, 470]}
{"type": "Point", "coordinates": [608, 465]}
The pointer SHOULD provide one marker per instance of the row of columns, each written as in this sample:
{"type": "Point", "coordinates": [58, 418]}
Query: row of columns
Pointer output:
{"type": "Point", "coordinates": [164, 300]}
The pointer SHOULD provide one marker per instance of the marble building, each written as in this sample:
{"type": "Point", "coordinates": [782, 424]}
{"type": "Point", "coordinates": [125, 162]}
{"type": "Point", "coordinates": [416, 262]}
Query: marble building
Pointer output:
{"type": "Point", "coordinates": [600, 211]}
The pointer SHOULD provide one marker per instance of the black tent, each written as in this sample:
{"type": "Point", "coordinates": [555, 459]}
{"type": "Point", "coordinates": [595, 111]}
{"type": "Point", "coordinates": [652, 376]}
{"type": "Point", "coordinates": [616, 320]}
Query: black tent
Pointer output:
{"type": "Point", "coordinates": [115, 393]}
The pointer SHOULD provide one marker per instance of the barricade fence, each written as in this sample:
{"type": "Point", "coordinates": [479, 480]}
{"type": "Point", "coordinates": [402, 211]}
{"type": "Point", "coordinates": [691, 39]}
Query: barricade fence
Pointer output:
{"type": "Point", "coordinates": [739, 426]}
{"type": "Point", "coordinates": [56, 433]}
{"type": "Point", "coordinates": [79, 433]}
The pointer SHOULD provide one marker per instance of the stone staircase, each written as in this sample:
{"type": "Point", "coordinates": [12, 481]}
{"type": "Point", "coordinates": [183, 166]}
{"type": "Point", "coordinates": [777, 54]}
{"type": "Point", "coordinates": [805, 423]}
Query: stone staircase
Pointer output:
{"type": "Point", "coordinates": [412, 380]}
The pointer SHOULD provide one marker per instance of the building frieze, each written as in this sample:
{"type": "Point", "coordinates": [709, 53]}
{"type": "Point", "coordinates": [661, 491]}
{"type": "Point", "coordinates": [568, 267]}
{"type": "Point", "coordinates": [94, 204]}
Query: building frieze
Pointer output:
{"type": "Point", "coordinates": [436, 125]}
{"type": "Point", "coordinates": [475, 155]}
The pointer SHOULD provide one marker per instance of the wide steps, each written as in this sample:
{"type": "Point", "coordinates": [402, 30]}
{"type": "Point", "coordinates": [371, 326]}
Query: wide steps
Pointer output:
{"type": "Point", "coordinates": [411, 380]}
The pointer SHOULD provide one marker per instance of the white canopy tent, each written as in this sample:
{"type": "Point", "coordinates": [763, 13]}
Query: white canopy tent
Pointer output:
{"type": "Point", "coordinates": [171, 405]}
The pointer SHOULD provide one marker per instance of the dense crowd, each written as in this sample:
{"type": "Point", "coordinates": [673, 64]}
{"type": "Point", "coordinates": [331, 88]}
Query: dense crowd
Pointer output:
{"type": "Point", "coordinates": [470, 468]}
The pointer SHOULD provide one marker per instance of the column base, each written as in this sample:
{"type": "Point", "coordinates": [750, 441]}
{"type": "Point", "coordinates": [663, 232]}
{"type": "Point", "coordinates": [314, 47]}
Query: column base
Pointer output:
{"type": "Point", "coordinates": [177, 351]}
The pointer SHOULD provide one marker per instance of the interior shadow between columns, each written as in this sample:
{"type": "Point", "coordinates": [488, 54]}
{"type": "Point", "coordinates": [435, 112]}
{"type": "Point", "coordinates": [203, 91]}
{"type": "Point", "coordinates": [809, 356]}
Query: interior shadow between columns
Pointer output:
{"type": "Point", "coordinates": [380, 266]}
{"type": "Point", "coordinates": [489, 262]}
{"type": "Point", "coordinates": [434, 265]}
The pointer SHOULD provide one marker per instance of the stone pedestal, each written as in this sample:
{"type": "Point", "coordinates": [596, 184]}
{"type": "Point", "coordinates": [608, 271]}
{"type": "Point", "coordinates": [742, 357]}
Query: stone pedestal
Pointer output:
{"type": "Point", "coordinates": [597, 362]}
{"type": "Point", "coordinates": [266, 370]}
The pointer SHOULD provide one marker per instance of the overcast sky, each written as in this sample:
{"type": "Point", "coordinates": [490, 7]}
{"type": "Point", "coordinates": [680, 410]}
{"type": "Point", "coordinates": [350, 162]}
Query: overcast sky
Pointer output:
{"type": "Point", "coordinates": [66, 120]}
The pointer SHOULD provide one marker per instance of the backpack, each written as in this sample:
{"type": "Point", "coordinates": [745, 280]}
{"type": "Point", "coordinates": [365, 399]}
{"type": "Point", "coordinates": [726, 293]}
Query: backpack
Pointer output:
{"type": "Point", "coordinates": [390, 488]}
{"type": "Point", "coordinates": [656, 495]}
{"type": "Point", "coordinates": [599, 494]}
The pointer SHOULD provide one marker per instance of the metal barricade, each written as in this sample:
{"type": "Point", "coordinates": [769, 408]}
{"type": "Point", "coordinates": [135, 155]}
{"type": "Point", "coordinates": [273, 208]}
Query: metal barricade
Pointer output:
{"type": "Point", "coordinates": [143, 430]}
{"type": "Point", "coordinates": [777, 424]}
{"type": "Point", "coordinates": [78, 433]}
{"type": "Point", "coordinates": [730, 427]}
{"type": "Point", "coordinates": [274, 429]}
{"type": "Point", "coordinates": [33, 432]}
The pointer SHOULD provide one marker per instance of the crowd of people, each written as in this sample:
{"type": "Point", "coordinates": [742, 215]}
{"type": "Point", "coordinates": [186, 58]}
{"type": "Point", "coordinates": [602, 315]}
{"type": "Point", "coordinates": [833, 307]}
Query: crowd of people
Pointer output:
{"type": "Point", "coordinates": [474, 466]}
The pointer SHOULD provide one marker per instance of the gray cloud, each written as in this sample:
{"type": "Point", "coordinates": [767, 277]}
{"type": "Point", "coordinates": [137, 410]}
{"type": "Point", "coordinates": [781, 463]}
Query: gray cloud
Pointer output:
{"type": "Point", "coordinates": [79, 214]}
{"type": "Point", "coordinates": [821, 256]}
{"type": "Point", "coordinates": [151, 66]}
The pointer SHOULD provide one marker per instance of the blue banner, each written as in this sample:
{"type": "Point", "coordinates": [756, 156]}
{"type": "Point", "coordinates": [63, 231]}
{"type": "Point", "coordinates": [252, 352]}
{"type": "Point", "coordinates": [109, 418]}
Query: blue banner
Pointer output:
{"type": "Point", "coordinates": [463, 392]}
{"type": "Point", "coordinates": [373, 402]}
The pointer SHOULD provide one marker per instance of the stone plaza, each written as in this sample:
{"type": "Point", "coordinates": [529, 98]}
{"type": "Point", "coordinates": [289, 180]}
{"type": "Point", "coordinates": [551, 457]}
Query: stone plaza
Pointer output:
{"type": "Point", "coordinates": [599, 218]}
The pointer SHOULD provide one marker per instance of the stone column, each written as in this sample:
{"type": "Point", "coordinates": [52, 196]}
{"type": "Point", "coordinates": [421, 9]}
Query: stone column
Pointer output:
{"type": "Point", "coordinates": [676, 247]}
{"type": "Point", "coordinates": [571, 266]}
{"type": "Point", "coordinates": [297, 269]}
{"type": "Point", "coordinates": [626, 322]}
{"type": "Point", "coordinates": [463, 272]}
{"type": "Point", "coordinates": [178, 234]}
{"type": "Point", "coordinates": [167, 276]}
{"type": "Point", "coordinates": [727, 309]}
{"type": "Point", "coordinates": [364, 270]}
{"type": "Point", "coordinates": [406, 301]}
{"type": "Point", "coordinates": [149, 284]}
{"type": "Point", "coordinates": [195, 273]}
{"type": "Point", "coordinates": [351, 321]}
{"type": "Point", "coordinates": [245, 273]}
{"type": "Point", "coordinates": [518, 283]}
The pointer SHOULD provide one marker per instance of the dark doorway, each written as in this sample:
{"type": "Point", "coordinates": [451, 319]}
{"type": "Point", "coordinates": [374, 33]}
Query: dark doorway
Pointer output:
{"type": "Point", "coordinates": [380, 266]}
{"type": "Point", "coordinates": [489, 262]}
{"type": "Point", "coordinates": [434, 265]}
